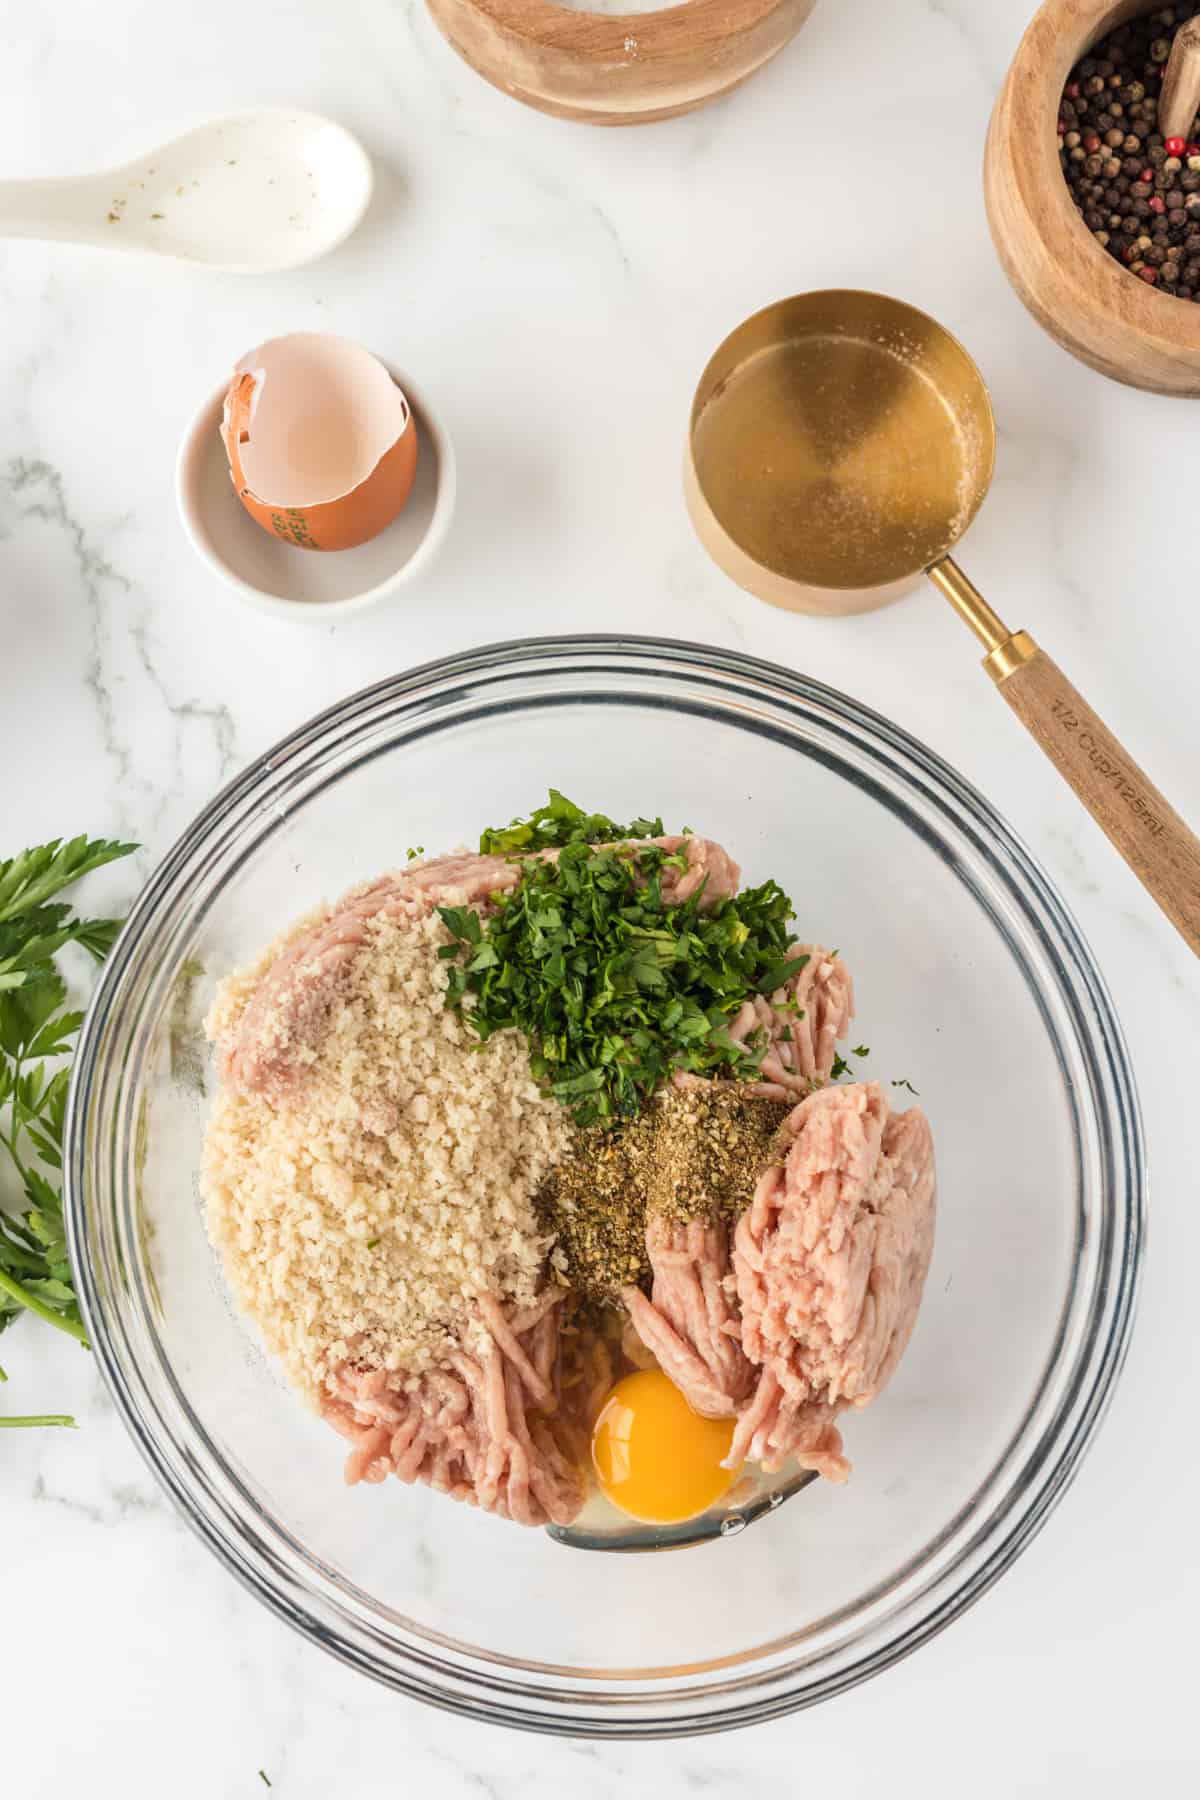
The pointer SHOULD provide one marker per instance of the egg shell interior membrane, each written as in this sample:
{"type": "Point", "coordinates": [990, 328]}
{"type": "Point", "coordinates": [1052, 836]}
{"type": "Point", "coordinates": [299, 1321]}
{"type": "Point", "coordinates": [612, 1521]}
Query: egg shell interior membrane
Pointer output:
{"type": "Point", "coordinates": [323, 414]}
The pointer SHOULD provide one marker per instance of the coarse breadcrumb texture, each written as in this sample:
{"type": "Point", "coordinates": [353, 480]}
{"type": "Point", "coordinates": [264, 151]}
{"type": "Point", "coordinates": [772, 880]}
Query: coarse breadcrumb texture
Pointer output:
{"type": "Point", "coordinates": [359, 1214]}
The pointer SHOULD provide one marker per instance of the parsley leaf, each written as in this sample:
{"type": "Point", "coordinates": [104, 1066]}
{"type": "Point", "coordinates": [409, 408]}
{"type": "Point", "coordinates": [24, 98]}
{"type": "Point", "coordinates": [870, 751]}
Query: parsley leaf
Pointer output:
{"type": "Point", "coordinates": [29, 880]}
{"type": "Point", "coordinates": [37, 1029]}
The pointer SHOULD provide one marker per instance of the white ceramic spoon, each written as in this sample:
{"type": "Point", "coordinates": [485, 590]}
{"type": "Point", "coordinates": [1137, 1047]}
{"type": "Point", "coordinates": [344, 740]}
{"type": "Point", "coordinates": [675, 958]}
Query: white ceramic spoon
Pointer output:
{"type": "Point", "coordinates": [250, 193]}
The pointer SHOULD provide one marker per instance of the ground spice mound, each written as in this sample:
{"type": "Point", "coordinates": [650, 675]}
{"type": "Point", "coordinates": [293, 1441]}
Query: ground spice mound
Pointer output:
{"type": "Point", "coordinates": [359, 1214]}
{"type": "Point", "coordinates": [693, 1151]}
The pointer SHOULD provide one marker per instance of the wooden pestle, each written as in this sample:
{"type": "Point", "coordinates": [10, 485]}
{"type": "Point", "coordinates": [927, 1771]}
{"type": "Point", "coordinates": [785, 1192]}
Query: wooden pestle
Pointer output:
{"type": "Point", "coordinates": [1179, 101]}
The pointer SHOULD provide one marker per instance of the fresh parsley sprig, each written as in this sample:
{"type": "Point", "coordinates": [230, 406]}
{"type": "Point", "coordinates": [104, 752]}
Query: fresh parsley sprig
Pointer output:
{"type": "Point", "coordinates": [612, 987]}
{"type": "Point", "coordinates": [37, 1030]}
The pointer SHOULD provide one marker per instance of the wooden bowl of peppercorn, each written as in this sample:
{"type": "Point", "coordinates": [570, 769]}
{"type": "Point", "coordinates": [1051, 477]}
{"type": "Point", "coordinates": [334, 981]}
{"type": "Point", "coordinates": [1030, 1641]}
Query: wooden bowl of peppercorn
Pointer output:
{"type": "Point", "coordinates": [1076, 275]}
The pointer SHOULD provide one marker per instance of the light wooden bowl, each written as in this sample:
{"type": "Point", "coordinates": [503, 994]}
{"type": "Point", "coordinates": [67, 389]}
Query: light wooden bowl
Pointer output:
{"type": "Point", "coordinates": [1094, 308]}
{"type": "Point", "coordinates": [618, 69]}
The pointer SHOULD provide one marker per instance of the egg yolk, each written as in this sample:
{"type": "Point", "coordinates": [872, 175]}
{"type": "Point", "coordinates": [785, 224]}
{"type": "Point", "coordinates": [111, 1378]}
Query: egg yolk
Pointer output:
{"type": "Point", "coordinates": [654, 1457]}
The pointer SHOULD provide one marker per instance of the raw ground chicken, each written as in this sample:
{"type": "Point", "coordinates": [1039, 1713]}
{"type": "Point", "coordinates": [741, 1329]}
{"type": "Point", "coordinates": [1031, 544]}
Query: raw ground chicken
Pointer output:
{"type": "Point", "coordinates": [368, 1176]}
{"type": "Point", "coordinates": [819, 1290]}
{"type": "Point", "coordinates": [369, 1179]}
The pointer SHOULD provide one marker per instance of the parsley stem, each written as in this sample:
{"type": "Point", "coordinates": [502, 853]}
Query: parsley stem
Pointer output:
{"type": "Point", "coordinates": [38, 1419]}
{"type": "Point", "coordinates": [10, 1144]}
{"type": "Point", "coordinates": [73, 1327]}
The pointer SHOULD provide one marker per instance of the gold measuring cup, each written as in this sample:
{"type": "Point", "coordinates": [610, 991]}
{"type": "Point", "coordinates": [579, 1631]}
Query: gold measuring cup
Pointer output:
{"type": "Point", "coordinates": [840, 445]}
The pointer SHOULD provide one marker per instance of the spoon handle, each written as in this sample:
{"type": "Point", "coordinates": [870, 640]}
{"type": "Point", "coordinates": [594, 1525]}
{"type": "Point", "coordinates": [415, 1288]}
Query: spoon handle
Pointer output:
{"type": "Point", "coordinates": [1160, 849]}
{"type": "Point", "coordinates": [73, 210]}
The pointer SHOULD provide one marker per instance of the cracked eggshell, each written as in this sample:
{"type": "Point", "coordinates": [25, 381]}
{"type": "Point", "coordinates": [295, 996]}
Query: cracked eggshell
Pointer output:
{"type": "Point", "coordinates": [321, 443]}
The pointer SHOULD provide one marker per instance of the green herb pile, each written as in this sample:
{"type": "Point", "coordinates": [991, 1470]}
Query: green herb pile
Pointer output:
{"type": "Point", "coordinates": [558, 823]}
{"type": "Point", "coordinates": [36, 1031]}
{"type": "Point", "coordinates": [612, 988]}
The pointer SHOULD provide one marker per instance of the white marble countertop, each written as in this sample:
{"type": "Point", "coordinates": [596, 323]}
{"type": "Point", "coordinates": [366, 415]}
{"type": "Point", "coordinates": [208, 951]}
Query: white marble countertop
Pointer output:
{"type": "Point", "coordinates": [558, 289]}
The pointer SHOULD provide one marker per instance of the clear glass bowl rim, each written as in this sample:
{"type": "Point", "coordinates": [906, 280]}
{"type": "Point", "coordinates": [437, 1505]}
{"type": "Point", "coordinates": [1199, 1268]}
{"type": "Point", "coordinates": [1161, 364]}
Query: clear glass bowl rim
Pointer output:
{"type": "Point", "coordinates": [522, 1694]}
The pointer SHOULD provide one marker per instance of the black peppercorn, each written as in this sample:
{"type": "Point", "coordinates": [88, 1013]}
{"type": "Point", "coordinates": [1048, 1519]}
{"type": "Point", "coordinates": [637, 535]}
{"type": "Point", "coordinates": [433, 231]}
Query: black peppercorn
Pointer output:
{"type": "Point", "coordinates": [1141, 204]}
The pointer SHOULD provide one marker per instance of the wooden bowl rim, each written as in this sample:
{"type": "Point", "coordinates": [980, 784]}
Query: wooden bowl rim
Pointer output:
{"type": "Point", "coordinates": [659, 34]}
{"type": "Point", "coordinates": [1035, 82]}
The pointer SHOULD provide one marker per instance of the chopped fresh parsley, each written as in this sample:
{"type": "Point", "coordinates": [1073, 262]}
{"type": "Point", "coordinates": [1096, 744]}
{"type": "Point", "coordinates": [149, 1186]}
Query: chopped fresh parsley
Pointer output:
{"type": "Point", "coordinates": [612, 987]}
{"type": "Point", "coordinates": [907, 1084]}
{"type": "Point", "coordinates": [561, 822]}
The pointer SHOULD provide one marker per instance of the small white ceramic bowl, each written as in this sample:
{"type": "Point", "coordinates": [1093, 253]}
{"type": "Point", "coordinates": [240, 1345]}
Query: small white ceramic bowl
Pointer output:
{"type": "Point", "coordinates": [309, 585]}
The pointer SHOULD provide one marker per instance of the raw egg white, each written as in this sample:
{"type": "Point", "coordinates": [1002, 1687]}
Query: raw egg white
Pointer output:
{"type": "Point", "coordinates": [321, 442]}
{"type": "Point", "coordinates": [654, 1457]}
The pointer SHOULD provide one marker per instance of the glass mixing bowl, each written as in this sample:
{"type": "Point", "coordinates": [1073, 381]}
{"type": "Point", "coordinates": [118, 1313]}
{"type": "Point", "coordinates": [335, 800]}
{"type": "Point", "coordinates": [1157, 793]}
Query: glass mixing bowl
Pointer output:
{"type": "Point", "coordinates": [973, 985]}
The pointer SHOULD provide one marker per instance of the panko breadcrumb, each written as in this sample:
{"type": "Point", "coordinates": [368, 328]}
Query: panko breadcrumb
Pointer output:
{"type": "Point", "coordinates": [359, 1215]}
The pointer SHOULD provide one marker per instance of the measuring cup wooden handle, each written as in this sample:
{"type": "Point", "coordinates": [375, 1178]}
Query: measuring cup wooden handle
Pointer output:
{"type": "Point", "coordinates": [1160, 849]}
